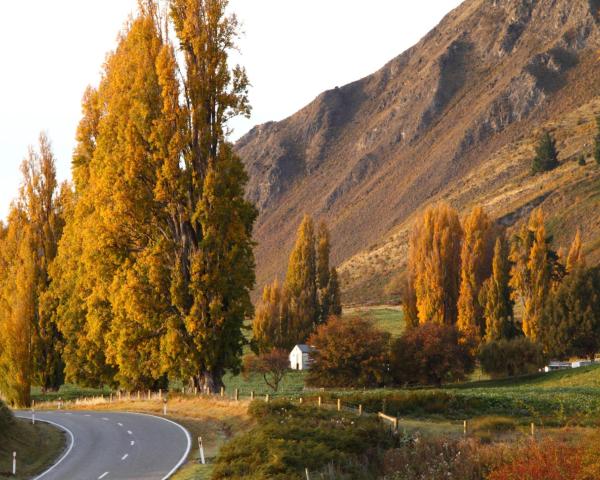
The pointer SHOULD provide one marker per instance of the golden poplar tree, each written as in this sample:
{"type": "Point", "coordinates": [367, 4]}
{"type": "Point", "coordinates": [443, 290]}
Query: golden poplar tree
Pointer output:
{"type": "Point", "coordinates": [495, 297]}
{"type": "Point", "coordinates": [531, 274]}
{"type": "Point", "coordinates": [301, 283]}
{"type": "Point", "coordinates": [17, 308]}
{"type": "Point", "coordinates": [270, 327]}
{"type": "Point", "coordinates": [434, 264]}
{"type": "Point", "coordinates": [157, 261]}
{"type": "Point", "coordinates": [476, 261]}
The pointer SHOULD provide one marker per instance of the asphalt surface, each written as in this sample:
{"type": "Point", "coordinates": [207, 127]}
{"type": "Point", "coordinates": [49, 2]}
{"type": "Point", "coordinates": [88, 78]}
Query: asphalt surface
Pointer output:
{"type": "Point", "coordinates": [115, 446]}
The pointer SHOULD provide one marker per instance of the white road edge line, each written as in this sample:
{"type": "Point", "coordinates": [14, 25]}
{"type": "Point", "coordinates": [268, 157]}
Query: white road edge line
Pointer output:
{"type": "Point", "coordinates": [124, 456]}
{"type": "Point", "coordinates": [189, 445]}
{"type": "Point", "coordinates": [103, 475]}
{"type": "Point", "coordinates": [71, 436]}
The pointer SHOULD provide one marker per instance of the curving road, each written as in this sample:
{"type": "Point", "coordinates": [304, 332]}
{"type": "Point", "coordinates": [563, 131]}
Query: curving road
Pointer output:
{"type": "Point", "coordinates": [116, 446]}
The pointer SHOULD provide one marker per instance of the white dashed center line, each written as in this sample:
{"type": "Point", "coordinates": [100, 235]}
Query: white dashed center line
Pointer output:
{"type": "Point", "coordinates": [105, 419]}
{"type": "Point", "coordinates": [119, 424]}
{"type": "Point", "coordinates": [124, 456]}
{"type": "Point", "coordinates": [129, 432]}
{"type": "Point", "coordinates": [103, 475]}
{"type": "Point", "coordinates": [132, 443]}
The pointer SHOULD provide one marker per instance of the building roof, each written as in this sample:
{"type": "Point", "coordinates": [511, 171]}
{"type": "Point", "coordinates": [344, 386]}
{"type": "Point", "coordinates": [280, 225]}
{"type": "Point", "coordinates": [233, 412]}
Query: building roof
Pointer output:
{"type": "Point", "coordinates": [304, 348]}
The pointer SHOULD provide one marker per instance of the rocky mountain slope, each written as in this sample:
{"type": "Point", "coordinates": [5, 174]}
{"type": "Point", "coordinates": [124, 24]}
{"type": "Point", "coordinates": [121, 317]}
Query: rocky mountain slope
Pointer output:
{"type": "Point", "coordinates": [455, 117]}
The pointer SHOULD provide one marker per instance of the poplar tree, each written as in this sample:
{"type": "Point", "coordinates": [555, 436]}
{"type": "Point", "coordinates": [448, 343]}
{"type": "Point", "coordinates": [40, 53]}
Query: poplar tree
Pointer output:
{"type": "Point", "coordinates": [301, 282]}
{"type": "Point", "coordinates": [434, 264]}
{"type": "Point", "coordinates": [323, 272]}
{"type": "Point", "coordinates": [334, 294]}
{"type": "Point", "coordinates": [476, 262]}
{"type": "Point", "coordinates": [161, 233]}
{"type": "Point", "coordinates": [17, 308]}
{"type": "Point", "coordinates": [43, 206]}
{"type": "Point", "coordinates": [271, 328]}
{"type": "Point", "coordinates": [531, 273]}
{"type": "Point", "coordinates": [495, 297]}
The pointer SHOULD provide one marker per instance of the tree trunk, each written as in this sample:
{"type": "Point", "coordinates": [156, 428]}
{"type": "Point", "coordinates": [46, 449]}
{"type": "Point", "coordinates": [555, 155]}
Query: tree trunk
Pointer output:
{"type": "Point", "coordinates": [210, 381]}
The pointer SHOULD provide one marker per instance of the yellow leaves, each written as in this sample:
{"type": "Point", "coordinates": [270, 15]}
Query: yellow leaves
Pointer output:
{"type": "Point", "coordinates": [434, 261]}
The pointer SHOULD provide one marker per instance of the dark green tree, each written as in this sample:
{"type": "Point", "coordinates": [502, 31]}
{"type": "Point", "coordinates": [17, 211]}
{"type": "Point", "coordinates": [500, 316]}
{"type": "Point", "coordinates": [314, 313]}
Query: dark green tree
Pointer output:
{"type": "Point", "coordinates": [546, 154]}
{"type": "Point", "coordinates": [571, 318]}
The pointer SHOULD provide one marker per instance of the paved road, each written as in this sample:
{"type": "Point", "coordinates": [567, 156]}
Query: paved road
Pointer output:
{"type": "Point", "coordinates": [116, 446]}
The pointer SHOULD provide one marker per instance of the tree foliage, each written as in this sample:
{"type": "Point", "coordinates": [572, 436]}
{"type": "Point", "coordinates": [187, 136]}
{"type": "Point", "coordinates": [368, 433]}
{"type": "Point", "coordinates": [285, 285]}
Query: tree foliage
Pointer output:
{"type": "Point", "coordinates": [475, 267]}
{"type": "Point", "coordinates": [272, 365]}
{"type": "Point", "coordinates": [430, 354]}
{"type": "Point", "coordinates": [510, 357]}
{"type": "Point", "coordinates": [434, 264]}
{"type": "Point", "coordinates": [546, 154]}
{"type": "Point", "coordinates": [156, 264]}
{"type": "Point", "coordinates": [571, 317]}
{"type": "Point", "coordinates": [348, 353]}
{"type": "Point", "coordinates": [495, 297]}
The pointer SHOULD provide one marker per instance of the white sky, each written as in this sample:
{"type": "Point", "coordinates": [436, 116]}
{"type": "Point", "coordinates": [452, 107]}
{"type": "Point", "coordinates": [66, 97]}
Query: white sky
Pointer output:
{"type": "Point", "coordinates": [292, 49]}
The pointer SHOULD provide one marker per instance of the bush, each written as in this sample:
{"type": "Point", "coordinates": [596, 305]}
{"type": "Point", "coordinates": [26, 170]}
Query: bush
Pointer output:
{"type": "Point", "coordinates": [546, 154]}
{"type": "Point", "coordinates": [430, 354]}
{"type": "Point", "coordinates": [545, 460]}
{"type": "Point", "coordinates": [507, 358]}
{"type": "Point", "coordinates": [348, 353]}
{"type": "Point", "coordinates": [6, 417]}
{"type": "Point", "coordinates": [273, 366]}
{"type": "Point", "coordinates": [493, 425]}
{"type": "Point", "coordinates": [289, 438]}
{"type": "Point", "coordinates": [581, 160]}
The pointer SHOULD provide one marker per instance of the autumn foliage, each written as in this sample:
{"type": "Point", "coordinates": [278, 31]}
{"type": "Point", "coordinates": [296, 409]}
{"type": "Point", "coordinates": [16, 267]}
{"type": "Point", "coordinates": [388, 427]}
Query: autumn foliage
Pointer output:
{"type": "Point", "coordinates": [348, 353]}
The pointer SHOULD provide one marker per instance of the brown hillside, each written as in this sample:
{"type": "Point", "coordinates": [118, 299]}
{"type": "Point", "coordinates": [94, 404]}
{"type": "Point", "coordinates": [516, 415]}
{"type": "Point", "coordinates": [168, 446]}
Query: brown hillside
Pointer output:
{"type": "Point", "coordinates": [454, 117]}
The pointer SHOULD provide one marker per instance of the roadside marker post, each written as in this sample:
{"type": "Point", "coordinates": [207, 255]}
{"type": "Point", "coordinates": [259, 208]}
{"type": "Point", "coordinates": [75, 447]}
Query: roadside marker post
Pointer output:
{"type": "Point", "coordinates": [33, 412]}
{"type": "Point", "coordinates": [237, 394]}
{"type": "Point", "coordinates": [307, 474]}
{"type": "Point", "coordinates": [201, 448]}
{"type": "Point", "coordinates": [165, 407]}
{"type": "Point", "coordinates": [14, 470]}
{"type": "Point", "coordinates": [360, 410]}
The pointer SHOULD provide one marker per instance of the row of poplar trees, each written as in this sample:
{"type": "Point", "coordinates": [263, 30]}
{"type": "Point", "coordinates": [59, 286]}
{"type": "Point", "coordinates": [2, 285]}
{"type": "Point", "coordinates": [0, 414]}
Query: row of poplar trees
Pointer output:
{"type": "Point", "coordinates": [289, 313]}
{"type": "Point", "coordinates": [153, 271]}
{"type": "Point", "coordinates": [471, 275]}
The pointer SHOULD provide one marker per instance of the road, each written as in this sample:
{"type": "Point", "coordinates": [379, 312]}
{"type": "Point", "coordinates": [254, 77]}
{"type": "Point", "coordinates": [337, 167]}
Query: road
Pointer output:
{"type": "Point", "coordinates": [115, 446]}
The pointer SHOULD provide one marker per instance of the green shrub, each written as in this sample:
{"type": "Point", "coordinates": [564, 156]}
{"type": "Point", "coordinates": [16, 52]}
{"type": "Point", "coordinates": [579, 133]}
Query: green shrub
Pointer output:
{"type": "Point", "coordinates": [507, 358]}
{"type": "Point", "coordinates": [581, 160]}
{"type": "Point", "coordinates": [289, 438]}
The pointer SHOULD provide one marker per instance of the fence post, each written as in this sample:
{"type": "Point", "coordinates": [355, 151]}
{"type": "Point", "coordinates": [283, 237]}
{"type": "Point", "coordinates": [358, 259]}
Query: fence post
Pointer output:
{"type": "Point", "coordinates": [160, 393]}
{"type": "Point", "coordinates": [532, 429]}
{"type": "Point", "coordinates": [360, 410]}
{"type": "Point", "coordinates": [267, 398]}
{"type": "Point", "coordinates": [301, 400]}
{"type": "Point", "coordinates": [222, 391]}
{"type": "Point", "coordinates": [237, 394]}
{"type": "Point", "coordinates": [465, 430]}
{"type": "Point", "coordinates": [307, 474]}
{"type": "Point", "coordinates": [201, 447]}
{"type": "Point", "coordinates": [320, 401]}
{"type": "Point", "coordinates": [252, 395]}
{"type": "Point", "coordinates": [339, 404]}
{"type": "Point", "coordinates": [195, 391]}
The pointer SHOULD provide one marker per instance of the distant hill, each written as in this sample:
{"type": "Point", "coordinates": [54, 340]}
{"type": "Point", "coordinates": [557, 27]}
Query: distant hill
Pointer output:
{"type": "Point", "coordinates": [455, 117]}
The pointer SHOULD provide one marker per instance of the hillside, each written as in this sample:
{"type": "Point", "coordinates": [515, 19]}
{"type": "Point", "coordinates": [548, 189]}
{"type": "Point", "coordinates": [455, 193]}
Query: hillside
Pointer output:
{"type": "Point", "coordinates": [455, 117]}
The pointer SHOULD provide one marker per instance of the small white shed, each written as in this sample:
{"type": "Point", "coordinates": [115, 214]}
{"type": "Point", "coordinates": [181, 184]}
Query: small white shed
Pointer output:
{"type": "Point", "coordinates": [300, 357]}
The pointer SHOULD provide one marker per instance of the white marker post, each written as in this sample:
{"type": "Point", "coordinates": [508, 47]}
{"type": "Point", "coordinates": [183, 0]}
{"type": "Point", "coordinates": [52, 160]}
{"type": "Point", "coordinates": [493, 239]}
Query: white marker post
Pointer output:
{"type": "Point", "coordinates": [165, 407]}
{"type": "Point", "coordinates": [201, 447]}
{"type": "Point", "coordinates": [33, 412]}
{"type": "Point", "coordinates": [14, 463]}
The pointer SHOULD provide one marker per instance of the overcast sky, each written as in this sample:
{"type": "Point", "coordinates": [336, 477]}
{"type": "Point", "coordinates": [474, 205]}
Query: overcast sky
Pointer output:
{"type": "Point", "coordinates": [292, 49]}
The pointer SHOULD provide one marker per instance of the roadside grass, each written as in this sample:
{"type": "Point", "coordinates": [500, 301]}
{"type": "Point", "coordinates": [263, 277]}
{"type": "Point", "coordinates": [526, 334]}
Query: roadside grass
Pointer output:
{"type": "Point", "coordinates": [37, 447]}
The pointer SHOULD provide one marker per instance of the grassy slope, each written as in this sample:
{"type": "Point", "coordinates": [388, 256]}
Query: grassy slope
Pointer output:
{"type": "Point", "coordinates": [37, 446]}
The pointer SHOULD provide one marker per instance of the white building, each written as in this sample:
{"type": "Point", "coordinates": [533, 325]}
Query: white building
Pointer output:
{"type": "Point", "coordinates": [300, 357]}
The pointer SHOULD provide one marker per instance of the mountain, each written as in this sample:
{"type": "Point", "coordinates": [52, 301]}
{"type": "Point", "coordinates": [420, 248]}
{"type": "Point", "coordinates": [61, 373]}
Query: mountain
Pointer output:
{"type": "Point", "coordinates": [453, 118]}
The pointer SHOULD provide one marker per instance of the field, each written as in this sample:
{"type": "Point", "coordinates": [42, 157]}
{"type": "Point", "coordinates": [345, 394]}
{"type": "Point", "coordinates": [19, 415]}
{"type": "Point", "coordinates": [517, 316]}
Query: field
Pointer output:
{"type": "Point", "coordinates": [36, 445]}
{"type": "Point", "coordinates": [386, 318]}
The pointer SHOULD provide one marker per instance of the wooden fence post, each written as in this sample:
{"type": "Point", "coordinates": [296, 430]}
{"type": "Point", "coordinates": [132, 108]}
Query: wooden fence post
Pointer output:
{"type": "Point", "coordinates": [251, 394]}
{"type": "Point", "coordinates": [237, 394]}
{"type": "Point", "coordinates": [267, 398]}
{"type": "Point", "coordinates": [320, 402]}
{"type": "Point", "coordinates": [465, 429]}
{"type": "Point", "coordinates": [532, 429]}
{"type": "Point", "coordinates": [222, 391]}
{"type": "Point", "coordinates": [360, 410]}
{"type": "Point", "coordinates": [339, 404]}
